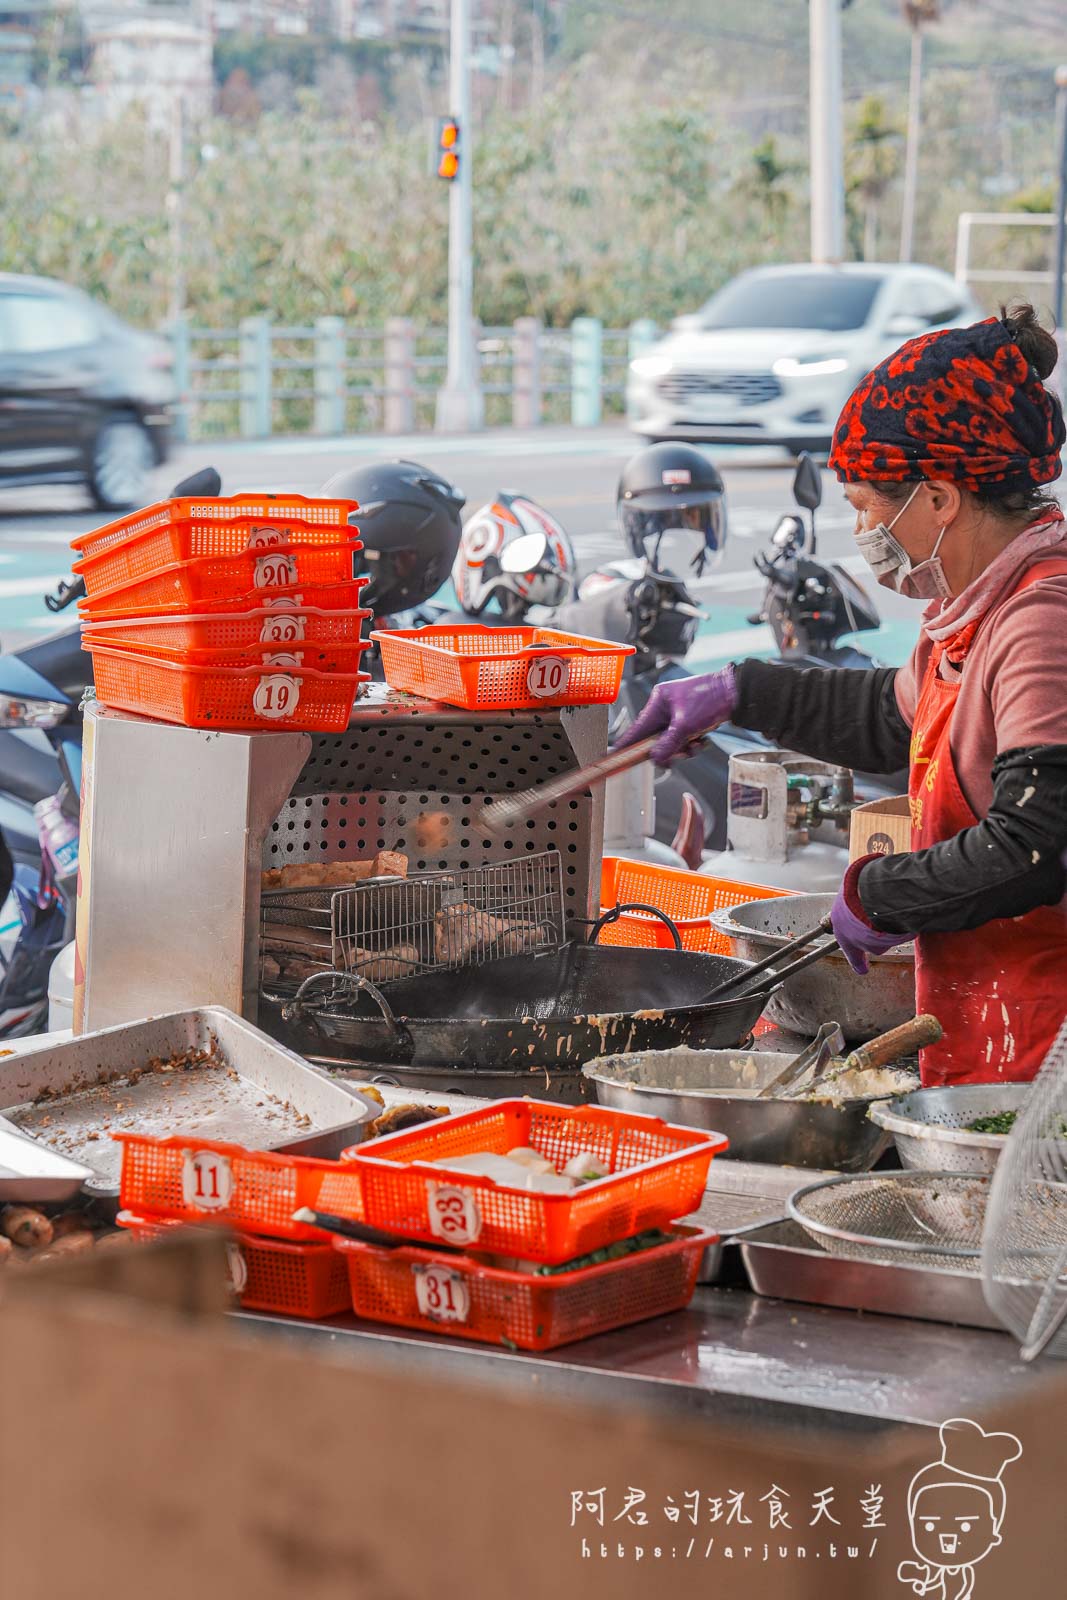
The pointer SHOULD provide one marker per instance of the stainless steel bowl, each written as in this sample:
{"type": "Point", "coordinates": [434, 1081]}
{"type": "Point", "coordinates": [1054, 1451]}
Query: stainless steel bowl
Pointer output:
{"type": "Point", "coordinates": [694, 1087]}
{"type": "Point", "coordinates": [864, 1006]}
{"type": "Point", "coordinates": [931, 1128]}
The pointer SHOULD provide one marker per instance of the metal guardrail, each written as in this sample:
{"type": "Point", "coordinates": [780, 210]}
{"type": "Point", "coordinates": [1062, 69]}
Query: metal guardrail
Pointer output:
{"type": "Point", "coordinates": [332, 377]}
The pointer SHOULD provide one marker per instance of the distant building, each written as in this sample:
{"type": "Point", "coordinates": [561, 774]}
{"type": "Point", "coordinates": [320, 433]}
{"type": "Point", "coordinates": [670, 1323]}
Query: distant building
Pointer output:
{"type": "Point", "coordinates": [153, 62]}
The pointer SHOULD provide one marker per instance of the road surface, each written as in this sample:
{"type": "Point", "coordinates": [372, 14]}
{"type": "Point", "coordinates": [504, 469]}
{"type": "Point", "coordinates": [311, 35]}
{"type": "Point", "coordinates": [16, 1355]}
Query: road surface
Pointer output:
{"type": "Point", "coordinates": [572, 472]}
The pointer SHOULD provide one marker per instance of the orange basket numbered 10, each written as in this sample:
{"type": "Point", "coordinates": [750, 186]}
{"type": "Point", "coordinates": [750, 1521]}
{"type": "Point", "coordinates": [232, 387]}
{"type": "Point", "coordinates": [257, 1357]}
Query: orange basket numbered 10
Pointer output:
{"type": "Point", "coordinates": [688, 898]}
{"type": "Point", "coordinates": [484, 669]}
{"type": "Point", "coordinates": [461, 1298]}
{"type": "Point", "coordinates": [658, 1173]}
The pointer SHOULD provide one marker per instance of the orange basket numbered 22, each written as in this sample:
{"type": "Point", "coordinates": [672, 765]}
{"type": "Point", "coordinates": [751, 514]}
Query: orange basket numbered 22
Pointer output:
{"type": "Point", "coordinates": [658, 1173]}
{"type": "Point", "coordinates": [484, 669]}
{"type": "Point", "coordinates": [688, 898]}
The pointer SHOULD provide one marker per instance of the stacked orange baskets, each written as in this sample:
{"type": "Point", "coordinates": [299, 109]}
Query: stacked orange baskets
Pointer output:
{"type": "Point", "coordinates": [236, 613]}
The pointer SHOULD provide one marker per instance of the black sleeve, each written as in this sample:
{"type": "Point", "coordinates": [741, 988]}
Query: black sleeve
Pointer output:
{"type": "Point", "coordinates": [840, 714]}
{"type": "Point", "coordinates": [1007, 864]}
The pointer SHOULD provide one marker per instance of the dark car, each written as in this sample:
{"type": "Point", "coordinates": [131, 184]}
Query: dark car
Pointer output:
{"type": "Point", "coordinates": [83, 397]}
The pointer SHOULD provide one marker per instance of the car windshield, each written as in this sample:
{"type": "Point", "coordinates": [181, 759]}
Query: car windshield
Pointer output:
{"type": "Point", "coordinates": [819, 300]}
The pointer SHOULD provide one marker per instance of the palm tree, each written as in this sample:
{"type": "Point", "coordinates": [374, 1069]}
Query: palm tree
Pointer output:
{"type": "Point", "coordinates": [917, 13]}
{"type": "Point", "coordinates": [872, 162]}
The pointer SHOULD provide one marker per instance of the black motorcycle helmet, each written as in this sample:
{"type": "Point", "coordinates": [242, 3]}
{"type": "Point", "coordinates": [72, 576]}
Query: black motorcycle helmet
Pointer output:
{"type": "Point", "coordinates": [668, 486]}
{"type": "Point", "coordinates": [408, 519]}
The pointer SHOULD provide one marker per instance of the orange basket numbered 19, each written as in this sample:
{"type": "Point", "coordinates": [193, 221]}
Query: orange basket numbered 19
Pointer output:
{"type": "Point", "coordinates": [277, 693]}
{"type": "Point", "coordinates": [293, 1280]}
{"type": "Point", "coordinates": [485, 669]}
{"type": "Point", "coordinates": [458, 1297]}
{"type": "Point", "coordinates": [688, 898]}
{"type": "Point", "coordinates": [658, 1173]}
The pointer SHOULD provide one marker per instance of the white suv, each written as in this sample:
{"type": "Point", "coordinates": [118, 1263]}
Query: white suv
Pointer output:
{"type": "Point", "coordinates": [773, 357]}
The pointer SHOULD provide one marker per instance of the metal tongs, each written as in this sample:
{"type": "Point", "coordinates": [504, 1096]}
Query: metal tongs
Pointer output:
{"type": "Point", "coordinates": [811, 1063]}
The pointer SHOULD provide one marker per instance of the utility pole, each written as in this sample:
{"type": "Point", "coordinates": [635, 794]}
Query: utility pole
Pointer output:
{"type": "Point", "coordinates": [175, 204]}
{"type": "Point", "coordinates": [911, 147]}
{"type": "Point", "coordinates": [827, 159]}
{"type": "Point", "coordinates": [1059, 254]}
{"type": "Point", "coordinates": [460, 407]}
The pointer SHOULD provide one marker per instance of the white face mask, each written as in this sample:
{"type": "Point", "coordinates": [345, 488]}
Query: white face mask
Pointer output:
{"type": "Point", "coordinates": [892, 565]}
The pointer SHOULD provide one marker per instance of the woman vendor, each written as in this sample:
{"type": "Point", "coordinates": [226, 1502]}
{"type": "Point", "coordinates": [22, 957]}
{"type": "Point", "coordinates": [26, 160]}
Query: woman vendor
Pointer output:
{"type": "Point", "coordinates": [946, 450]}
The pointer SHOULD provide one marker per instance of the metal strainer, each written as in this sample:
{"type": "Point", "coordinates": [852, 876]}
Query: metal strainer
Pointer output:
{"type": "Point", "coordinates": [1024, 1248]}
{"type": "Point", "coordinates": [918, 1219]}
{"type": "Point", "coordinates": [932, 1127]}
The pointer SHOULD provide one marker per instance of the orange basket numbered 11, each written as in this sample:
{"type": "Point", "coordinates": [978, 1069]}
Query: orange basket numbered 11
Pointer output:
{"type": "Point", "coordinates": [658, 1173]}
{"type": "Point", "coordinates": [484, 669]}
{"type": "Point", "coordinates": [688, 898]}
{"type": "Point", "coordinates": [461, 1298]}
{"type": "Point", "coordinates": [203, 1180]}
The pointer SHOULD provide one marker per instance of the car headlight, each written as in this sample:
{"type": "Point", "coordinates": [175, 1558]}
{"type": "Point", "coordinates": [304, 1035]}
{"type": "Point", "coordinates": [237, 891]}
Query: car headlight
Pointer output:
{"type": "Point", "coordinates": [815, 367]}
{"type": "Point", "coordinates": [17, 712]}
{"type": "Point", "coordinates": [651, 366]}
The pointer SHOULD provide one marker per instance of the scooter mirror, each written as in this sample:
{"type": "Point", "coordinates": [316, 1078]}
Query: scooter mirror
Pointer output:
{"type": "Point", "coordinates": [788, 536]}
{"type": "Point", "coordinates": [525, 554]}
{"type": "Point", "coordinates": [807, 483]}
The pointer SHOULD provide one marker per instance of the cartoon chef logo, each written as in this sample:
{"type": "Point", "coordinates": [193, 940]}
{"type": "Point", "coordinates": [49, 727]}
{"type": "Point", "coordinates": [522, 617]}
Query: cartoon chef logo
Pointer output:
{"type": "Point", "coordinates": [956, 1507]}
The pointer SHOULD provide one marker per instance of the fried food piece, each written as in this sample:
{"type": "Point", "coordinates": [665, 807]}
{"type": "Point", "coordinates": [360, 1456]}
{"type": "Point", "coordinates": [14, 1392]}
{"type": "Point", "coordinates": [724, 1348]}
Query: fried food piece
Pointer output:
{"type": "Point", "coordinates": [27, 1228]}
{"type": "Point", "coordinates": [462, 931]}
{"type": "Point", "coordinates": [335, 874]}
{"type": "Point", "coordinates": [400, 1117]}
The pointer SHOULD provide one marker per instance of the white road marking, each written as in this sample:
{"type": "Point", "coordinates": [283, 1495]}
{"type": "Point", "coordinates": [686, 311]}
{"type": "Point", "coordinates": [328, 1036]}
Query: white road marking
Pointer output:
{"type": "Point", "coordinates": [9, 587]}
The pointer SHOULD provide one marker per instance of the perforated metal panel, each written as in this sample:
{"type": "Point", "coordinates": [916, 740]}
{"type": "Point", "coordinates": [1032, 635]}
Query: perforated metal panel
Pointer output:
{"type": "Point", "coordinates": [417, 781]}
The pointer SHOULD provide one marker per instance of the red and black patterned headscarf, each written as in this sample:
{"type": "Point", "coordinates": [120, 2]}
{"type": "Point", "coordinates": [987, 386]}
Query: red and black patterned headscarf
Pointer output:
{"type": "Point", "coordinates": [963, 404]}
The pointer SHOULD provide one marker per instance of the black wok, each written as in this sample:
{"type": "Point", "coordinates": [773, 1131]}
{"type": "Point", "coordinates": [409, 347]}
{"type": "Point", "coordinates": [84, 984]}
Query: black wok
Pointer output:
{"type": "Point", "coordinates": [557, 1009]}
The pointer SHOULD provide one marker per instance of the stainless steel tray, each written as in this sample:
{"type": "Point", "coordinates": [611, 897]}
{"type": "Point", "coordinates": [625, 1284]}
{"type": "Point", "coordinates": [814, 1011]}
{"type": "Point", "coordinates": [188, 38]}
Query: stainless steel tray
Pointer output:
{"type": "Point", "coordinates": [784, 1264]}
{"type": "Point", "coordinates": [32, 1173]}
{"type": "Point", "coordinates": [742, 1196]}
{"type": "Point", "coordinates": [202, 1071]}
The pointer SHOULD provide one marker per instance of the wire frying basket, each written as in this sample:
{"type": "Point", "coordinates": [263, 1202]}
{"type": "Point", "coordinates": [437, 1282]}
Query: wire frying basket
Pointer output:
{"type": "Point", "coordinates": [901, 1219]}
{"type": "Point", "coordinates": [1024, 1247]}
{"type": "Point", "coordinates": [385, 929]}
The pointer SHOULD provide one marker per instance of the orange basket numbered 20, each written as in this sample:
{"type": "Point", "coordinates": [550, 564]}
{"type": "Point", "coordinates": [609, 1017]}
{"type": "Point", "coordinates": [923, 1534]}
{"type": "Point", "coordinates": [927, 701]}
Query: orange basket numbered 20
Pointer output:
{"type": "Point", "coordinates": [461, 1298]}
{"type": "Point", "coordinates": [174, 531]}
{"type": "Point", "coordinates": [658, 1173]}
{"type": "Point", "coordinates": [484, 669]}
{"type": "Point", "coordinates": [688, 898]}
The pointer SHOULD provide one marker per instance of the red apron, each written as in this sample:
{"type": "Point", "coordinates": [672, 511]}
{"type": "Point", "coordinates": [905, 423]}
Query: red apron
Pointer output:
{"type": "Point", "coordinates": [999, 990]}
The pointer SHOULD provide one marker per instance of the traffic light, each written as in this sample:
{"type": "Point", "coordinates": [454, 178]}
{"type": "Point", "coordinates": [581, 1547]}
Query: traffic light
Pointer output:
{"type": "Point", "coordinates": [448, 149]}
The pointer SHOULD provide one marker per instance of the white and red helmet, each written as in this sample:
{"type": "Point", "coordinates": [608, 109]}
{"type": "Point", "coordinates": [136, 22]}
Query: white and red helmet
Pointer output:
{"type": "Point", "coordinates": [515, 550]}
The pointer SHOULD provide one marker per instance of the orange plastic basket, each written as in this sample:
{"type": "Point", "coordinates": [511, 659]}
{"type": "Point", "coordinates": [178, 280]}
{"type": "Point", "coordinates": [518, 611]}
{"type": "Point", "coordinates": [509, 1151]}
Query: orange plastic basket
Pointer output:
{"type": "Point", "coordinates": [658, 1173]}
{"type": "Point", "coordinates": [230, 632]}
{"type": "Point", "coordinates": [342, 658]}
{"type": "Point", "coordinates": [185, 585]}
{"type": "Point", "coordinates": [280, 694]}
{"type": "Point", "coordinates": [486, 669]}
{"type": "Point", "coordinates": [201, 1180]}
{"type": "Point", "coordinates": [688, 898]}
{"type": "Point", "coordinates": [178, 530]}
{"type": "Point", "coordinates": [121, 605]}
{"type": "Point", "coordinates": [293, 1280]}
{"type": "Point", "coordinates": [460, 1298]}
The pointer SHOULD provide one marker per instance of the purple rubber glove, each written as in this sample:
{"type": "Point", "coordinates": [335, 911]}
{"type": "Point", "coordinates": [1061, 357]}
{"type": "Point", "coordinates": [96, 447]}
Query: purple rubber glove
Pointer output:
{"type": "Point", "coordinates": [683, 709]}
{"type": "Point", "coordinates": [858, 940]}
